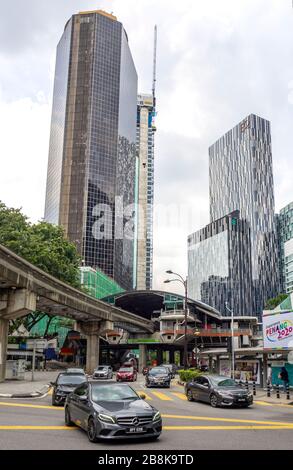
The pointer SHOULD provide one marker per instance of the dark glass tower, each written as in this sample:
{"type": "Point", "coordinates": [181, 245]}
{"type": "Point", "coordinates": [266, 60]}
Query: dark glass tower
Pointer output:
{"type": "Point", "coordinates": [241, 178]}
{"type": "Point", "coordinates": [219, 265]}
{"type": "Point", "coordinates": [92, 157]}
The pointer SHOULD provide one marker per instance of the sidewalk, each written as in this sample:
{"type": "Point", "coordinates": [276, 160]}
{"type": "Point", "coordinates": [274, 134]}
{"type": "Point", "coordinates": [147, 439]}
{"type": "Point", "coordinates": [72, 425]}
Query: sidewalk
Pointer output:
{"type": "Point", "coordinates": [26, 388]}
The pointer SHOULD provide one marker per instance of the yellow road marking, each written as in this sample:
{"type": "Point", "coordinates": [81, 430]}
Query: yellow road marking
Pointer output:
{"type": "Point", "coordinates": [146, 395]}
{"type": "Point", "coordinates": [26, 405]}
{"type": "Point", "coordinates": [162, 396]}
{"type": "Point", "coordinates": [221, 428]}
{"type": "Point", "coordinates": [228, 420]}
{"type": "Point", "coordinates": [265, 403]}
{"type": "Point", "coordinates": [179, 395]}
{"type": "Point", "coordinates": [37, 428]}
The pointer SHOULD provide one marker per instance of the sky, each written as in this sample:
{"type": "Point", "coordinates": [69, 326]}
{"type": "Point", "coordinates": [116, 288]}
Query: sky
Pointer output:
{"type": "Point", "coordinates": [218, 61]}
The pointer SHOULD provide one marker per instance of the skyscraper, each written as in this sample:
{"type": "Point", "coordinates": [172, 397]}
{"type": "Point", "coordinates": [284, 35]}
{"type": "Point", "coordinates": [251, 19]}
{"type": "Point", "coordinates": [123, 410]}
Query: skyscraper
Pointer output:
{"type": "Point", "coordinates": [219, 264]}
{"type": "Point", "coordinates": [241, 179]}
{"type": "Point", "coordinates": [145, 146]}
{"type": "Point", "coordinates": [92, 156]}
{"type": "Point", "coordinates": [285, 238]}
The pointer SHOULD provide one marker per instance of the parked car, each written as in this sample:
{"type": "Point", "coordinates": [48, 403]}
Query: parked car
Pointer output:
{"type": "Point", "coordinates": [126, 374]}
{"type": "Point", "coordinates": [65, 384]}
{"type": "Point", "coordinates": [111, 411]}
{"type": "Point", "coordinates": [158, 377]}
{"type": "Point", "coordinates": [218, 391]}
{"type": "Point", "coordinates": [172, 368]}
{"type": "Point", "coordinates": [103, 372]}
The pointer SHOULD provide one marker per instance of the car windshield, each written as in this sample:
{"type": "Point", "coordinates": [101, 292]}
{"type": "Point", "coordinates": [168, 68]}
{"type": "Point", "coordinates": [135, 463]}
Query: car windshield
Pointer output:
{"type": "Point", "coordinates": [113, 393]}
{"type": "Point", "coordinates": [70, 379]}
{"type": "Point", "coordinates": [126, 369]}
{"type": "Point", "coordinates": [222, 382]}
{"type": "Point", "coordinates": [102, 368]}
{"type": "Point", "coordinates": [159, 370]}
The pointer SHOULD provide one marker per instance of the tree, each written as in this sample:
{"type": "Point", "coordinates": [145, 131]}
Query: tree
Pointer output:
{"type": "Point", "coordinates": [43, 245]}
{"type": "Point", "coordinates": [274, 302]}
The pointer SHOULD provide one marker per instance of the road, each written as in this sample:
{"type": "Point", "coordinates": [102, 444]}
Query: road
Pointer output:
{"type": "Point", "coordinates": [35, 424]}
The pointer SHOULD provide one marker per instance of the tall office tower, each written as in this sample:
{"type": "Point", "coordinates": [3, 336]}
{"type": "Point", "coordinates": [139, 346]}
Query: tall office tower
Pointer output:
{"type": "Point", "coordinates": [219, 265]}
{"type": "Point", "coordinates": [145, 141]}
{"type": "Point", "coordinates": [285, 239]}
{"type": "Point", "coordinates": [92, 155]}
{"type": "Point", "coordinates": [145, 147]}
{"type": "Point", "coordinates": [241, 178]}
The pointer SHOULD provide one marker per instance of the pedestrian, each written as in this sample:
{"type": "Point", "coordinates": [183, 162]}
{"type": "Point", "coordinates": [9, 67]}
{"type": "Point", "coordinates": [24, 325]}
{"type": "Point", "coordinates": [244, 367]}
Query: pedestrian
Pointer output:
{"type": "Point", "coordinates": [269, 375]}
{"type": "Point", "coordinates": [283, 375]}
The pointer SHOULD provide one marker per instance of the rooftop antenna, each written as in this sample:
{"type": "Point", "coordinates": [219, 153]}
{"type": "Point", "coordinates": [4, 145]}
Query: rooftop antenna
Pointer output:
{"type": "Point", "coordinates": [155, 65]}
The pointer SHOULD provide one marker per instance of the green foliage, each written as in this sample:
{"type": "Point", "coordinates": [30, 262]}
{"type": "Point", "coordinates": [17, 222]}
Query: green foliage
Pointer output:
{"type": "Point", "coordinates": [42, 244]}
{"type": "Point", "coordinates": [189, 374]}
{"type": "Point", "coordinates": [273, 303]}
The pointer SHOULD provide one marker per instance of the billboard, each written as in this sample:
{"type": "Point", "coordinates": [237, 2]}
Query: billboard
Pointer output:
{"type": "Point", "coordinates": [278, 331]}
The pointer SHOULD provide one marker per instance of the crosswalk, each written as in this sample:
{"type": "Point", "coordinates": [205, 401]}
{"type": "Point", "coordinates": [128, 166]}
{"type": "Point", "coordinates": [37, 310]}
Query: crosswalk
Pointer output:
{"type": "Point", "coordinates": [163, 396]}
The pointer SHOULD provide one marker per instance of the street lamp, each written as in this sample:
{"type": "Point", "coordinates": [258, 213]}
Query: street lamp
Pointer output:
{"type": "Point", "coordinates": [232, 339]}
{"type": "Point", "coordinates": [196, 334]}
{"type": "Point", "coordinates": [184, 282]}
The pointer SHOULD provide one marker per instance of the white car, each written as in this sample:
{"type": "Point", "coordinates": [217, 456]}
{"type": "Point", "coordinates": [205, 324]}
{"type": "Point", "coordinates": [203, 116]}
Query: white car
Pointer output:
{"type": "Point", "coordinates": [103, 372]}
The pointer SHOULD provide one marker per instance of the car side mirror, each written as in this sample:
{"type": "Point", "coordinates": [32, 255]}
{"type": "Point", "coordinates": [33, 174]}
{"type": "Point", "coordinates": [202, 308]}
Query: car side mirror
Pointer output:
{"type": "Point", "coordinates": [142, 396]}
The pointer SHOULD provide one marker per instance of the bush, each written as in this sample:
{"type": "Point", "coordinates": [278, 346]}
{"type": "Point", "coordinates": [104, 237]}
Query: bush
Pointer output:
{"type": "Point", "coordinates": [189, 374]}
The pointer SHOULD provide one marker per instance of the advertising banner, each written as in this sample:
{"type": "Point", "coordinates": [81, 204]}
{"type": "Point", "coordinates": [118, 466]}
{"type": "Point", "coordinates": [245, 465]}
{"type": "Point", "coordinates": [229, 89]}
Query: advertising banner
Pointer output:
{"type": "Point", "coordinates": [278, 331]}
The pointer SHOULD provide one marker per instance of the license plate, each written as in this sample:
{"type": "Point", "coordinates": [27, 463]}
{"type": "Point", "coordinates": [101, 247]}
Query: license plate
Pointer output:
{"type": "Point", "coordinates": [241, 399]}
{"type": "Point", "coordinates": [135, 430]}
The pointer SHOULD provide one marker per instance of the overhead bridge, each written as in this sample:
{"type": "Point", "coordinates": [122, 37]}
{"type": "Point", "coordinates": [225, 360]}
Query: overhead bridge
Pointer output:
{"type": "Point", "coordinates": [25, 288]}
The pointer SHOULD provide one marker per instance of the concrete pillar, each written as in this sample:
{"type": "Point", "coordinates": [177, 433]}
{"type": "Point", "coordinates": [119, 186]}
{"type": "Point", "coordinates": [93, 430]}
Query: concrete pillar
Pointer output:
{"type": "Point", "coordinates": [210, 364]}
{"type": "Point", "coordinates": [92, 352]}
{"type": "Point", "coordinates": [181, 357]}
{"type": "Point", "coordinates": [3, 347]}
{"type": "Point", "coordinates": [159, 356]}
{"type": "Point", "coordinates": [171, 356]}
{"type": "Point", "coordinates": [142, 359]}
{"type": "Point", "coordinates": [264, 370]}
{"type": "Point", "coordinates": [218, 365]}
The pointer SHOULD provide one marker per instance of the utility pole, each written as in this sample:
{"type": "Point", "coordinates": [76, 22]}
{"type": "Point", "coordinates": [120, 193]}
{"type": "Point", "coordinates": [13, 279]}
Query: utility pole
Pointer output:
{"type": "Point", "coordinates": [34, 360]}
{"type": "Point", "coordinates": [232, 340]}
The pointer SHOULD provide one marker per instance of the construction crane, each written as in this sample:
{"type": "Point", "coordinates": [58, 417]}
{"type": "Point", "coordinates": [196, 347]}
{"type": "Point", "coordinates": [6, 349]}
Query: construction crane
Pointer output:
{"type": "Point", "coordinates": [155, 65]}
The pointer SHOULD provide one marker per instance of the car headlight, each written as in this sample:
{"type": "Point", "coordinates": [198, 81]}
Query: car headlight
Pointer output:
{"type": "Point", "coordinates": [157, 416]}
{"type": "Point", "coordinates": [106, 418]}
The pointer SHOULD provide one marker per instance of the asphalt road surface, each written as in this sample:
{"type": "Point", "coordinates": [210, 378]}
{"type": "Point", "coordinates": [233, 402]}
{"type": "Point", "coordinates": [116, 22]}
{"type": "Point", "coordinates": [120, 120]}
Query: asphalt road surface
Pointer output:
{"type": "Point", "coordinates": [35, 424]}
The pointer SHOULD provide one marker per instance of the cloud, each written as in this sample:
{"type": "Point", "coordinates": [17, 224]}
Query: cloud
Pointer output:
{"type": "Point", "coordinates": [218, 61]}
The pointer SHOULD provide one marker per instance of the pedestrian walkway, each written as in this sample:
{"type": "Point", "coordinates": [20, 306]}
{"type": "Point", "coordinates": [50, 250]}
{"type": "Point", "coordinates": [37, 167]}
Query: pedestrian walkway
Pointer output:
{"type": "Point", "coordinates": [27, 386]}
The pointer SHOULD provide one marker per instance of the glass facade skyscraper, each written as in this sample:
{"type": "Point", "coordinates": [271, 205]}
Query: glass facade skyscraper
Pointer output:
{"type": "Point", "coordinates": [241, 179]}
{"type": "Point", "coordinates": [219, 264]}
{"type": "Point", "coordinates": [92, 157]}
{"type": "Point", "coordinates": [285, 238]}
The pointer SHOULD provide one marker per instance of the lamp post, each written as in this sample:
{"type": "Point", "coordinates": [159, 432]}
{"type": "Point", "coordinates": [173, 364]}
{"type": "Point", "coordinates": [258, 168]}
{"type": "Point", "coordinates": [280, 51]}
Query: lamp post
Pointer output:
{"type": "Point", "coordinates": [232, 339]}
{"type": "Point", "coordinates": [184, 282]}
{"type": "Point", "coordinates": [196, 334]}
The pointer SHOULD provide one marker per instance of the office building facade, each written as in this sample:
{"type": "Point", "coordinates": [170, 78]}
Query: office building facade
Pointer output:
{"type": "Point", "coordinates": [285, 238]}
{"type": "Point", "coordinates": [92, 157]}
{"type": "Point", "coordinates": [219, 265]}
{"type": "Point", "coordinates": [145, 150]}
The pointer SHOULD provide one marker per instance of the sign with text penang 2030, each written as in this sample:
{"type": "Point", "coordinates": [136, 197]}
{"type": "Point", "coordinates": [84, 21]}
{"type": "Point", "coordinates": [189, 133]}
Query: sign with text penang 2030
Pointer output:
{"type": "Point", "coordinates": [278, 331]}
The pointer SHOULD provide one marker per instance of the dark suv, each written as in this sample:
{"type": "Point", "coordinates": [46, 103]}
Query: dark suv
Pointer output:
{"type": "Point", "coordinates": [218, 391]}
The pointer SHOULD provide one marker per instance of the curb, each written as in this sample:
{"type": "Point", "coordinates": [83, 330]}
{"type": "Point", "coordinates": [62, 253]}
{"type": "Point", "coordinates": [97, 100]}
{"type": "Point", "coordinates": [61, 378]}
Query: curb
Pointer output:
{"type": "Point", "coordinates": [38, 394]}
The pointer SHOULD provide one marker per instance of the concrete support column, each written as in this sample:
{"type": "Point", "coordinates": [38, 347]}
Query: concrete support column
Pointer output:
{"type": "Point", "coordinates": [210, 364]}
{"type": "Point", "coordinates": [218, 365]}
{"type": "Point", "coordinates": [181, 357]}
{"type": "Point", "coordinates": [142, 359]}
{"type": "Point", "coordinates": [264, 371]}
{"type": "Point", "coordinates": [159, 356]}
{"type": "Point", "coordinates": [3, 347]}
{"type": "Point", "coordinates": [171, 356]}
{"type": "Point", "coordinates": [92, 352]}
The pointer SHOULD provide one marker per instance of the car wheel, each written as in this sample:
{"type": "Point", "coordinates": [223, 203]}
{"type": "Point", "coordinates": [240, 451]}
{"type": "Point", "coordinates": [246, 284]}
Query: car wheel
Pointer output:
{"type": "Point", "coordinates": [68, 421]}
{"type": "Point", "coordinates": [189, 395]}
{"type": "Point", "coordinates": [91, 431]}
{"type": "Point", "coordinates": [54, 401]}
{"type": "Point", "coordinates": [213, 400]}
